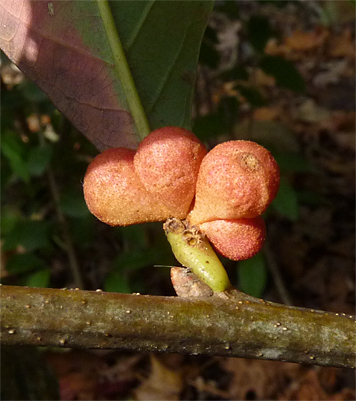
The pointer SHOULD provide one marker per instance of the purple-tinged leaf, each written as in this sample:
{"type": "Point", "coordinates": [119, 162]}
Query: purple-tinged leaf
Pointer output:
{"type": "Point", "coordinates": [64, 48]}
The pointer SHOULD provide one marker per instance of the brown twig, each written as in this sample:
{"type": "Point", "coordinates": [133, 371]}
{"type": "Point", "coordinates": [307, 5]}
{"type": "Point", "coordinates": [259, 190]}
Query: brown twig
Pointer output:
{"type": "Point", "coordinates": [209, 325]}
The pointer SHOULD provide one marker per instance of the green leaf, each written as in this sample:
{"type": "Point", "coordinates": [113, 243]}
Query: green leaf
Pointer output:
{"type": "Point", "coordinates": [71, 50]}
{"type": "Point", "coordinates": [311, 198]}
{"type": "Point", "coordinates": [213, 125]}
{"type": "Point", "coordinates": [252, 95]}
{"type": "Point", "coordinates": [23, 262]}
{"type": "Point", "coordinates": [278, 3]}
{"type": "Point", "coordinates": [31, 92]}
{"type": "Point", "coordinates": [231, 8]}
{"type": "Point", "coordinates": [10, 216]}
{"type": "Point", "coordinates": [83, 230]}
{"type": "Point", "coordinates": [134, 237]}
{"type": "Point", "coordinates": [139, 258]}
{"type": "Point", "coordinates": [208, 53]}
{"type": "Point", "coordinates": [271, 134]}
{"type": "Point", "coordinates": [39, 159]}
{"type": "Point", "coordinates": [72, 204]}
{"type": "Point", "coordinates": [209, 126]}
{"type": "Point", "coordinates": [117, 282]}
{"type": "Point", "coordinates": [252, 275]}
{"type": "Point", "coordinates": [209, 56]}
{"type": "Point", "coordinates": [228, 109]}
{"type": "Point", "coordinates": [284, 71]}
{"type": "Point", "coordinates": [286, 201]}
{"type": "Point", "coordinates": [236, 73]}
{"type": "Point", "coordinates": [40, 279]}
{"type": "Point", "coordinates": [259, 31]}
{"type": "Point", "coordinates": [293, 162]}
{"type": "Point", "coordinates": [30, 235]}
{"type": "Point", "coordinates": [15, 150]}
{"type": "Point", "coordinates": [211, 35]}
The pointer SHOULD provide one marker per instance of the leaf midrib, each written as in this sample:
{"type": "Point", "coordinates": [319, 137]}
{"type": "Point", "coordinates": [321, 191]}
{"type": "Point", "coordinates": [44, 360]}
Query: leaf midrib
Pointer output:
{"type": "Point", "coordinates": [139, 25]}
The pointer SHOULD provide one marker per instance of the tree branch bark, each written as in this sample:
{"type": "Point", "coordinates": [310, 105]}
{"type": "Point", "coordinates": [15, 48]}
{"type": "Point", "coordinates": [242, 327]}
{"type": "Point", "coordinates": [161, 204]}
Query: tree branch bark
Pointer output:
{"type": "Point", "coordinates": [209, 325]}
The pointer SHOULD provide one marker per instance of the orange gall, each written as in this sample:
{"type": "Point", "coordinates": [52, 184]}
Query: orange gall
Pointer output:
{"type": "Point", "coordinates": [115, 195]}
{"type": "Point", "coordinates": [167, 162]}
{"type": "Point", "coordinates": [237, 179]}
{"type": "Point", "coordinates": [238, 239]}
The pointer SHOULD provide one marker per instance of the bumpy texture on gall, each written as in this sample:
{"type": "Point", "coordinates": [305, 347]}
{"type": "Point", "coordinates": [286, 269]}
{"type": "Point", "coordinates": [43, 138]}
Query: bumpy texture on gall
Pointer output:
{"type": "Point", "coordinates": [238, 239]}
{"type": "Point", "coordinates": [233, 185]}
{"type": "Point", "coordinates": [114, 193]}
{"type": "Point", "coordinates": [167, 162]}
{"type": "Point", "coordinates": [237, 179]}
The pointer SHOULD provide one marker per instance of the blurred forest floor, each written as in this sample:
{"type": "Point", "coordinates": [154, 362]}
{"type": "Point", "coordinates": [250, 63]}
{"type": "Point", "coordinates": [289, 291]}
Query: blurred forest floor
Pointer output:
{"type": "Point", "coordinates": [313, 253]}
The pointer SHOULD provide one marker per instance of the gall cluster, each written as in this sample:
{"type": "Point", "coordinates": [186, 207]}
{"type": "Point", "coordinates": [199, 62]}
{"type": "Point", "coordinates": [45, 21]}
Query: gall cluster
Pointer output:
{"type": "Point", "coordinates": [222, 192]}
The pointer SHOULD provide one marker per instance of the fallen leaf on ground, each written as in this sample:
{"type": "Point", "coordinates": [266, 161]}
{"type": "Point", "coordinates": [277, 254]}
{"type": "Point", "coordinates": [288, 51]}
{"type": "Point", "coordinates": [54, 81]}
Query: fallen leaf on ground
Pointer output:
{"type": "Point", "coordinates": [267, 113]}
{"type": "Point", "coordinates": [304, 41]}
{"type": "Point", "coordinates": [310, 112]}
{"type": "Point", "coordinates": [162, 383]}
{"type": "Point", "coordinates": [257, 379]}
{"type": "Point", "coordinates": [342, 45]}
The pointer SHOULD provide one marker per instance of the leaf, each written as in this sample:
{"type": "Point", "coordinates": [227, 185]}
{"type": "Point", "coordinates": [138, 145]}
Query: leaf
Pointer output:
{"type": "Point", "coordinates": [135, 236]}
{"type": "Point", "coordinates": [236, 73]}
{"type": "Point", "coordinates": [209, 56]}
{"type": "Point", "coordinates": [252, 95]}
{"type": "Point", "coordinates": [31, 92]}
{"type": "Point", "coordinates": [23, 262]}
{"type": "Point", "coordinates": [307, 41]}
{"type": "Point", "coordinates": [286, 201]}
{"type": "Point", "coordinates": [10, 216]}
{"type": "Point", "coordinates": [294, 162]}
{"type": "Point", "coordinates": [252, 275]}
{"type": "Point", "coordinates": [231, 8]}
{"type": "Point", "coordinates": [30, 235]}
{"type": "Point", "coordinates": [117, 282]}
{"type": "Point", "coordinates": [65, 48]}
{"type": "Point", "coordinates": [141, 258]}
{"type": "Point", "coordinates": [284, 71]}
{"type": "Point", "coordinates": [14, 150]}
{"type": "Point", "coordinates": [209, 126]}
{"type": "Point", "coordinates": [271, 134]}
{"type": "Point", "coordinates": [259, 31]}
{"type": "Point", "coordinates": [39, 159]}
{"type": "Point", "coordinates": [72, 204]}
{"type": "Point", "coordinates": [40, 279]}
{"type": "Point", "coordinates": [161, 384]}
{"type": "Point", "coordinates": [208, 53]}
{"type": "Point", "coordinates": [83, 230]}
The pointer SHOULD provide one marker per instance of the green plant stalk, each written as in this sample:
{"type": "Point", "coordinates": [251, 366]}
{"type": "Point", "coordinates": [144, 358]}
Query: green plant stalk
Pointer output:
{"type": "Point", "coordinates": [194, 251]}
{"type": "Point", "coordinates": [123, 71]}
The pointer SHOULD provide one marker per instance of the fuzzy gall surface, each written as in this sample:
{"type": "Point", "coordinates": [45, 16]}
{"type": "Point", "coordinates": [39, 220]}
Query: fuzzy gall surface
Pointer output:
{"type": "Point", "coordinates": [237, 179]}
{"type": "Point", "coordinates": [167, 162]}
{"type": "Point", "coordinates": [114, 193]}
{"type": "Point", "coordinates": [238, 239]}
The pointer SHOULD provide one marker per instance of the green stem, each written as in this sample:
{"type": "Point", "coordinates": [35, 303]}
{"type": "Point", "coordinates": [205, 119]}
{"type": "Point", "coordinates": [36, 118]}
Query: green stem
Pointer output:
{"type": "Point", "coordinates": [122, 70]}
{"type": "Point", "coordinates": [194, 251]}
